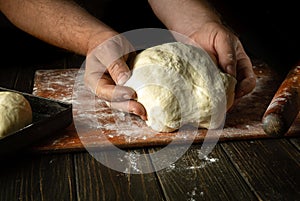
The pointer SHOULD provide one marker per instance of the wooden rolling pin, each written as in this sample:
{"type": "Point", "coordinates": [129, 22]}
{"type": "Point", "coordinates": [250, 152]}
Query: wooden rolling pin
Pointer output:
{"type": "Point", "coordinates": [285, 105]}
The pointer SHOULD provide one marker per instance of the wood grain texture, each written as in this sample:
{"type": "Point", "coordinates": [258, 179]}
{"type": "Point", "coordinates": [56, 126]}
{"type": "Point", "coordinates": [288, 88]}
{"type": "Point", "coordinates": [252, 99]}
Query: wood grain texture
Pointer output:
{"type": "Point", "coordinates": [210, 178]}
{"type": "Point", "coordinates": [51, 177]}
{"type": "Point", "coordinates": [46, 177]}
{"type": "Point", "coordinates": [124, 130]}
{"type": "Point", "coordinates": [296, 142]}
{"type": "Point", "coordinates": [284, 106]}
{"type": "Point", "coordinates": [97, 182]}
{"type": "Point", "coordinates": [270, 167]}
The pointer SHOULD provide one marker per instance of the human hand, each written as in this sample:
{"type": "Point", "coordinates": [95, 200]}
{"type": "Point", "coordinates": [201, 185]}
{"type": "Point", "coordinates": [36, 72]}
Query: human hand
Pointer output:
{"type": "Point", "coordinates": [228, 53]}
{"type": "Point", "coordinates": [106, 71]}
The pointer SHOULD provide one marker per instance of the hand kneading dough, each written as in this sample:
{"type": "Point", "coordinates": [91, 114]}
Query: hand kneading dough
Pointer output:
{"type": "Point", "coordinates": [179, 84]}
{"type": "Point", "coordinates": [15, 112]}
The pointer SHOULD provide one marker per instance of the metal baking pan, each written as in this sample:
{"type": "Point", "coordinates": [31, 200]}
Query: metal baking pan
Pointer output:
{"type": "Point", "coordinates": [48, 116]}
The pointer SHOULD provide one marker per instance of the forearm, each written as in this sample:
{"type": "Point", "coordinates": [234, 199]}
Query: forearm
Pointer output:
{"type": "Point", "coordinates": [59, 22]}
{"type": "Point", "coordinates": [183, 16]}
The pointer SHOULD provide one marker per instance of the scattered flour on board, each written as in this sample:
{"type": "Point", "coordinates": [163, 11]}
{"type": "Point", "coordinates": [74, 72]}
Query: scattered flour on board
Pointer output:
{"type": "Point", "coordinates": [94, 113]}
{"type": "Point", "coordinates": [204, 161]}
{"type": "Point", "coordinates": [132, 162]}
{"type": "Point", "coordinates": [192, 195]}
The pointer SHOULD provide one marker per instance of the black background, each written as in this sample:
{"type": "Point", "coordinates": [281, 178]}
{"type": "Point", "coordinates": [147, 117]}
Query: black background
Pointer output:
{"type": "Point", "coordinates": [267, 29]}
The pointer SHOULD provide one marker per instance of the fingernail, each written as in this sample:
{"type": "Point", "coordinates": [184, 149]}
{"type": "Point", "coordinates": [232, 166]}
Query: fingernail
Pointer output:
{"type": "Point", "coordinates": [126, 96]}
{"type": "Point", "coordinates": [108, 103]}
{"type": "Point", "coordinates": [139, 113]}
{"type": "Point", "coordinates": [123, 78]}
{"type": "Point", "coordinates": [144, 118]}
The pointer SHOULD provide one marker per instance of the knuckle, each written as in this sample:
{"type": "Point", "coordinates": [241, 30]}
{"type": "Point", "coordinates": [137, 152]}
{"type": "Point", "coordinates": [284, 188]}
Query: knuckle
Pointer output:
{"type": "Point", "coordinates": [115, 67]}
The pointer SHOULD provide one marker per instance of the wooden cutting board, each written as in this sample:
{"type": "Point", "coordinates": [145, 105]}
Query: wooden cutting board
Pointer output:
{"type": "Point", "coordinates": [127, 131]}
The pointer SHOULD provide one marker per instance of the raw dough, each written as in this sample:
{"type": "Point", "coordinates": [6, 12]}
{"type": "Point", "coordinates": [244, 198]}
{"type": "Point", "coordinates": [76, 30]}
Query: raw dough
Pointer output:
{"type": "Point", "coordinates": [179, 84]}
{"type": "Point", "coordinates": [15, 112]}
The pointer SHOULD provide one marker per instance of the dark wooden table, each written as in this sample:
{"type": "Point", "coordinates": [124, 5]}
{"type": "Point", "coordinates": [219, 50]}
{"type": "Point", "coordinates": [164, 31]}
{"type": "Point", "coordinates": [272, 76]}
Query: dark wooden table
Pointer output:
{"type": "Point", "coordinates": [265, 169]}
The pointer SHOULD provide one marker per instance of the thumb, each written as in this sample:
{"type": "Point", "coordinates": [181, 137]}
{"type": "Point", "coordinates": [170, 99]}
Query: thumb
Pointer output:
{"type": "Point", "coordinates": [119, 71]}
{"type": "Point", "coordinates": [226, 51]}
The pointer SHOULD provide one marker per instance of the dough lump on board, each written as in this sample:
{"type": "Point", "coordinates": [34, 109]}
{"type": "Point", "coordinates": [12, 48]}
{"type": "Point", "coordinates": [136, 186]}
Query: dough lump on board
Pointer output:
{"type": "Point", "coordinates": [179, 84]}
{"type": "Point", "coordinates": [16, 112]}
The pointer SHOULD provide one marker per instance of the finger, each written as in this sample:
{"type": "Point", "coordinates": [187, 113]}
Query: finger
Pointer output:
{"type": "Point", "coordinates": [93, 71]}
{"type": "Point", "coordinates": [107, 90]}
{"type": "Point", "coordinates": [113, 54]}
{"type": "Point", "coordinates": [245, 86]}
{"type": "Point", "coordinates": [119, 71]}
{"type": "Point", "coordinates": [246, 76]}
{"type": "Point", "coordinates": [226, 50]}
{"type": "Point", "coordinates": [130, 106]}
{"type": "Point", "coordinates": [99, 82]}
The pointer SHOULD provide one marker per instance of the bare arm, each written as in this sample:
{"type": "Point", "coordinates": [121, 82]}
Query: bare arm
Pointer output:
{"type": "Point", "coordinates": [59, 22]}
{"type": "Point", "coordinates": [65, 24]}
{"type": "Point", "coordinates": [184, 16]}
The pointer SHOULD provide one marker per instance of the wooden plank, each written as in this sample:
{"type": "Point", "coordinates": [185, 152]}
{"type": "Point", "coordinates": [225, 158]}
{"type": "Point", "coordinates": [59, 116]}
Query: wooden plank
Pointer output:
{"type": "Point", "coordinates": [24, 79]}
{"type": "Point", "coordinates": [296, 142]}
{"type": "Point", "coordinates": [270, 167]}
{"type": "Point", "coordinates": [42, 177]}
{"type": "Point", "coordinates": [98, 182]}
{"type": "Point", "coordinates": [21, 76]}
{"type": "Point", "coordinates": [127, 131]}
{"type": "Point", "coordinates": [33, 177]}
{"type": "Point", "coordinates": [210, 178]}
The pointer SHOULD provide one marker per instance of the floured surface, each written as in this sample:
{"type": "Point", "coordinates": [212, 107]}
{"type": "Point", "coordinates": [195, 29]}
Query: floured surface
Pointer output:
{"type": "Point", "coordinates": [99, 125]}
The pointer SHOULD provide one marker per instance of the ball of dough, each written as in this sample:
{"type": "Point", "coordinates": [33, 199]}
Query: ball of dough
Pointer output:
{"type": "Point", "coordinates": [15, 112]}
{"type": "Point", "coordinates": [179, 84]}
